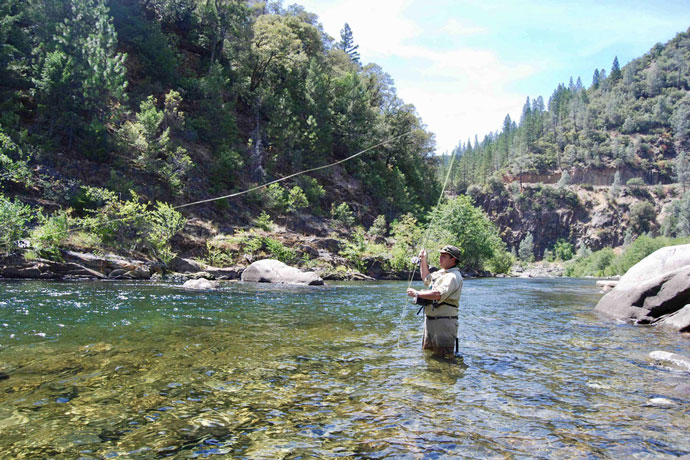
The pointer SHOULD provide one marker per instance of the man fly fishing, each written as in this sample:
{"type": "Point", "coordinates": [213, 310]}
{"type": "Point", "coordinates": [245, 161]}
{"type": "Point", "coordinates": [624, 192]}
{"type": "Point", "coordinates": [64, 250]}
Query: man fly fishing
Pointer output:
{"type": "Point", "coordinates": [440, 301]}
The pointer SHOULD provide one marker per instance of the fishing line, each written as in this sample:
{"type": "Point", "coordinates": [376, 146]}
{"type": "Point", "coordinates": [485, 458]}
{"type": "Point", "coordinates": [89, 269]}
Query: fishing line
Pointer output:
{"type": "Point", "coordinates": [102, 224]}
{"type": "Point", "coordinates": [295, 174]}
{"type": "Point", "coordinates": [423, 244]}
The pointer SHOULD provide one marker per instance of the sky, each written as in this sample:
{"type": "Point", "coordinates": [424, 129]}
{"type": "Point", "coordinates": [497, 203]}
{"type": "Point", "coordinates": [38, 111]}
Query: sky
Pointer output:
{"type": "Point", "coordinates": [466, 64]}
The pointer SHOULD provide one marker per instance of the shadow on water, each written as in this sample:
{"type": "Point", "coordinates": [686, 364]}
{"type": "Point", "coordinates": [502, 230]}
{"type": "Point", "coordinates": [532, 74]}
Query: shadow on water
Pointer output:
{"type": "Point", "coordinates": [133, 370]}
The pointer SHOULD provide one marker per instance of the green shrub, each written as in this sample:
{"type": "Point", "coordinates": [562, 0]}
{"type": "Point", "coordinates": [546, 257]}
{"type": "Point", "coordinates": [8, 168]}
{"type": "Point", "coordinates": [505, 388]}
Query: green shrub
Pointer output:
{"type": "Point", "coordinates": [296, 199]}
{"type": "Point", "coordinates": [14, 218]}
{"type": "Point", "coordinates": [164, 222]}
{"type": "Point", "coordinates": [642, 216]}
{"type": "Point", "coordinates": [342, 214]}
{"type": "Point", "coordinates": [563, 250]}
{"type": "Point", "coordinates": [89, 198]}
{"type": "Point", "coordinates": [149, 138]}
{"type": "Point", "coordinates": [378, 227]}
{"type": "Point", "coordinates": [313, 190]}
{"type": "Point", "coordinates": [264, 222]}
{"type": "Point", "coordinates": [276, 249]}
{"type": "Point", "coordinates": [14, 165]}
{"type": "Point", "coordinates": [274, 198]}
{"type": "Point", "coordinates": [461, 224]}
{"type": "Point", "coordinates": [50, 235]}
{"type": "Point", "coordinates": [406, 236]}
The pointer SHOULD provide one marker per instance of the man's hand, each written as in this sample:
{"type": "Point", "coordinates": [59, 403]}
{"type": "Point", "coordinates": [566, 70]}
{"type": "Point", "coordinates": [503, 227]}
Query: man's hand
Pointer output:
{"type": "Point", "coordinates": [411, 292]}
{"type": "Point", "coordinates": [422, 255]}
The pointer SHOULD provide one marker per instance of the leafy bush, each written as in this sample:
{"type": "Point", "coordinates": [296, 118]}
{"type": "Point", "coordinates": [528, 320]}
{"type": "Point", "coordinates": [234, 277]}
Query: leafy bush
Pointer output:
{"type": "Point", "coordinates": [642, 216]}
{"type": "Point", "coordinates": [13, 162]}
{"type": "Point", "coordinates": [264, 222]}
{"type": "Point", "coordinates": [164, 223]}
{"type": "Point", "coordinates": [274, 198]}
{"type": "Point", "coordinates": [459, 223]}
{"type": "Point", "coordinates": [296, 199]}
{"type": "Point", "coordinates": [563, 250]}
{"type": "Point", "coordinates": [14, 218]}
{"type": "Point", "coordinates": [89, 198]}
{"type": "Point", "coordinates": [342, 214]}
{"type": "Point", "coordinates": [526, 248]}
{"type": "Point", "coordinates": [278, 250]}
{"type": "Point", "coordinates": [378, 227]}
{"type": "Point", "coordinates": [51, 233]}
{"type": "Point", "coordinates": [606, 263]}
{"type": "Point", "coordinates": [406, 235]}
{"type": "Point", "coordinates": [149, 138]}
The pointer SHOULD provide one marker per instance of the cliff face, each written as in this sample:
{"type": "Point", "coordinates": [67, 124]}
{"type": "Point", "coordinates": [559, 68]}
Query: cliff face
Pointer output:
{"type": "Point", "coordinates": [583, 216]}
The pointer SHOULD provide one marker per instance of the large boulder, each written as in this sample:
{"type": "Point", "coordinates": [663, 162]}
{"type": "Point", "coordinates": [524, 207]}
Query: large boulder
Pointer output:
{"type": "Point", "coordinates": [275, 271]}
{"type": "Point", "coordinates": [654, 291]}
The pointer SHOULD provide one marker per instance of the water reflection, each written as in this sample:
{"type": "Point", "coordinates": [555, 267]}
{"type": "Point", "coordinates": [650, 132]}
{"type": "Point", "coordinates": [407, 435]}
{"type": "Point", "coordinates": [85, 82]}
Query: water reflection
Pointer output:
{"type": "Point", "coordinates": [255, 371]}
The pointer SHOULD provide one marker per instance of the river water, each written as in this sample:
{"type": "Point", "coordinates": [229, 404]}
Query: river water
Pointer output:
{"type": "Point", "coordinates": [138, 370]}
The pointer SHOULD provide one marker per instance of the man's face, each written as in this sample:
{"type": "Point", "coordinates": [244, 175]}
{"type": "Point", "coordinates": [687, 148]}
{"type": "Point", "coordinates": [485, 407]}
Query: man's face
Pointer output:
{"type": "Point", "coordinates": [446, 261]}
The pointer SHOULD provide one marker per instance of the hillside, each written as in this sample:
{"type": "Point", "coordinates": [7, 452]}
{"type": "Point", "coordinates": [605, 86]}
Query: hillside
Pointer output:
{"type": "Point", "coordinates": [589, 164]}
{"type": "Point", "coordinates": [185, 100]}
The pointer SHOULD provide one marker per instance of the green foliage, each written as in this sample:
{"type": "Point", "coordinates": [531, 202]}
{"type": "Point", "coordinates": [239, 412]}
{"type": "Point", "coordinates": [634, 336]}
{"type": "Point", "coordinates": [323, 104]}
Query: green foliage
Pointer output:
{"type": "Point", "coordinates": [379, 228]}
{"type": "Point", "coordinates": [274, 198]}
{"type": "Point", "coordinates": [276, 249]}
{"type": "Point", "coordinates": [635, 182]}
{"type": "Point", "coordinates": [342, 214]}
{"type": "Point", "coordinates": [14, 220]}
{"type": "Point", "coordinates": [642, 217]}
{"type": "Point", "coordinates": [526, 249]}
{"type": "Point", "coordinates": [149, 138]}
{"type": "Point", "coordinates": [80, 78]}
{"type": "Point", "coordinates": [296, 199]}
{"type": "Point", "coordinates": [14, 164]}
{"type": "Point", "coordinates": [563, 250]}
{"type": "Point", "coordinates": [406, 235]}
{"type": "Point", "coordinates": [597, 264]}
{"type": "Point", "coordinates": [459, 223]}
{"type": "Point", "coordinates": [606, 263]}
{"type": "Point", "coordinates": [90, 198]}
{"type": "Point", "coordinates": [264, 222]}
{"type": "Point", "coordinates": [163, 223]}
{"type": "Point", "coordinates": [50, 234]}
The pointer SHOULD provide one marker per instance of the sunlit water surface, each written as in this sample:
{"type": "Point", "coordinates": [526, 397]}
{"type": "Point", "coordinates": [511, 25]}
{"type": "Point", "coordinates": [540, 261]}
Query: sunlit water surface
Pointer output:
{"type": "Point", "coordinates": [107, 370]}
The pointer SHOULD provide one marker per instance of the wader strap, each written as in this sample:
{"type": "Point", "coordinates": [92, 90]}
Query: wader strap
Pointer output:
{"type": "Point", "coordinates": [436, 305]}
{"type": "Point", "coordinates": [441, 317]}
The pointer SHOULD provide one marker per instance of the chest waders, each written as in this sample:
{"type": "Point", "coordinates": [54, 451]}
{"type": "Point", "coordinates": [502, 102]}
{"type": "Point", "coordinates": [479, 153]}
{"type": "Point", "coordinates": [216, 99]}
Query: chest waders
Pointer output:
{"type": "Point", "coordinates": [424, 302]}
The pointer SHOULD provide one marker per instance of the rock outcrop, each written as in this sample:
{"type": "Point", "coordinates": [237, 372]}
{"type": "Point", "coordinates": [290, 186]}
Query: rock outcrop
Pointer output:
{"type": "Point", "coordinates": [77, 265]}
{"type": "Point", "coordinates": [654, 291]}
{"type": "Point", "coordinates": [275, 271]}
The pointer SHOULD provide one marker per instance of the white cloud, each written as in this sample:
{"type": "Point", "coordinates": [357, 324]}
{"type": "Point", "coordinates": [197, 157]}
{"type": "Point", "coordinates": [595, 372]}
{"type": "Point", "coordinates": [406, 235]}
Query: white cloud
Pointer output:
{"type": "Point", "coordinates": [457, 28]}
{"type": "Point", "coordinates": [458, 92]}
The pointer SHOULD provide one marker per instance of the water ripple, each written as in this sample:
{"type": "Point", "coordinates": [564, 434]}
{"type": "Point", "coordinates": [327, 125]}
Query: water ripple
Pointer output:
{"type": "Point", "coordinates": [139, 370]}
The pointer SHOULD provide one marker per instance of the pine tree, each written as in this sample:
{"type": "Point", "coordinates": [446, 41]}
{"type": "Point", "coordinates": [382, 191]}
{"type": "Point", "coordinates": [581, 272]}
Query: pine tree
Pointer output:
{"type": "Point", "coordinates": [81, 77]}
{"type": "Point", "coordinates": [595, 79]}
{"type": "Point", "coordinates": [615, 70]}
{"type": "Point", "coordinates": [347, 43]}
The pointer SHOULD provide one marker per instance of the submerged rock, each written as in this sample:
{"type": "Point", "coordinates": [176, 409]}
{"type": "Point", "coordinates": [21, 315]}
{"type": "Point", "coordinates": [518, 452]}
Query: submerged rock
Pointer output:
{"type": "Point", "coordinates": [654, 291]}
{"type": "Point", "coordinates": [275, 271]}
{"type": "Point", "coordinates": [675, 359]}
{"type": "Point", "coordinates": [200, 283]}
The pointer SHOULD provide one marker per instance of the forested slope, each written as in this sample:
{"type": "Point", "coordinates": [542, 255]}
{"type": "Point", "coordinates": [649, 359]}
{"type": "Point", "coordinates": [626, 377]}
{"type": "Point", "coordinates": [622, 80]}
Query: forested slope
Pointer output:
{"type": "Point", "coordinates": [633, 120]}
{"type": "Point", "coordinates": [180, 100]}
